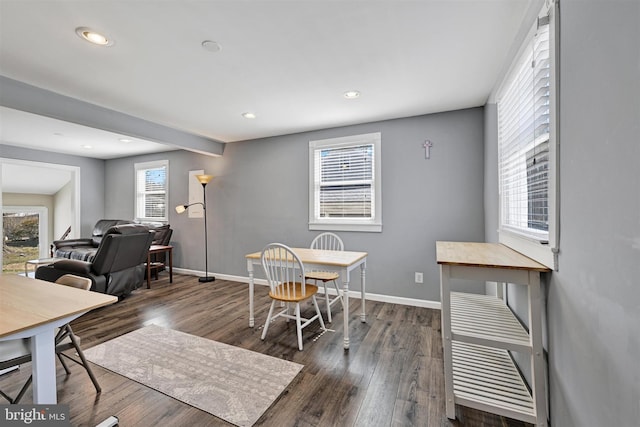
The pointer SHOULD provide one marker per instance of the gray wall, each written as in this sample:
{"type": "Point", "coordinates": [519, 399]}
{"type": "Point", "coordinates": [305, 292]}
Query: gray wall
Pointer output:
{"type": "Point", "coordinates": [91, 177]}
{"type": "Point", "coordinates": [491, 202]}
{"type": "Point", "coordinates": [593, 301]}
{"type": "Point", "coordinates": [62, 210]}
{"type": "Point", "coordinates": [187, 238]}
{"type": "Point", "coordinates": [260, 195]}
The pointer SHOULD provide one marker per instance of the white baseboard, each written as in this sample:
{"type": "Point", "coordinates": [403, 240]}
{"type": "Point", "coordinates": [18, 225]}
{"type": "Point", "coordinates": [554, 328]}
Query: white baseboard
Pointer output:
{"type": "Point", "coordinates": [241, 279]}
{"type": "Point", "coordinates": [352, 294]}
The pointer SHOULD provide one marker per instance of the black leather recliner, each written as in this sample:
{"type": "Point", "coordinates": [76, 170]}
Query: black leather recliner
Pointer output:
{"type": "Point", "coordinates": [85, 248]}
{"type": "Point", "coordinates": [118, 265]}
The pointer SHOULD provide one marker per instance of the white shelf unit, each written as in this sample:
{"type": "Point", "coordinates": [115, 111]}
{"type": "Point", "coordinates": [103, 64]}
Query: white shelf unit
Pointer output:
{"type": "Point", "coordinates": [478, 331]}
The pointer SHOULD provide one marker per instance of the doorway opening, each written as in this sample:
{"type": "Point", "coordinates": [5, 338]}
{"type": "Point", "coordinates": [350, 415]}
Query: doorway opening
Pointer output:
{"type": "Point", "coordinates": [24, 231]}
{"type": "Point", "coordinates": [52, 191]}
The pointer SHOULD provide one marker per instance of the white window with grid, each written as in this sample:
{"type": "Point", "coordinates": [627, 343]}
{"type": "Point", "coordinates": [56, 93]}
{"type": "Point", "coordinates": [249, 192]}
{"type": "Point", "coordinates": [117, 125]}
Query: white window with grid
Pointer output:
{"type": "Point", "coordinates": [526, 148]}
{"type": "Point", "coordinates": [152, 195]}
{"type": "Point", "coordinates": [344, 183]}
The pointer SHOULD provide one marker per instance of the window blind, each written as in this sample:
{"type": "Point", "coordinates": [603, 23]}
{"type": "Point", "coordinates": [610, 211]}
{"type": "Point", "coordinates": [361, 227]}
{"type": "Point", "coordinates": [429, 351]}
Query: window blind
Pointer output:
{"type": "Point", "coordinates": [523, 141]}
{"type": "Point", "coordinates": [151, 185]}
{"type": "Point", "coordinates": [346, 187]}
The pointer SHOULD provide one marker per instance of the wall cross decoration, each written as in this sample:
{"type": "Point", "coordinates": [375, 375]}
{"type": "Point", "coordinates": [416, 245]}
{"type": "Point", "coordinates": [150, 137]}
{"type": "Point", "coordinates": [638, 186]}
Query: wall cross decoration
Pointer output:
{"type": "Point", "coordinates": [427, 149]}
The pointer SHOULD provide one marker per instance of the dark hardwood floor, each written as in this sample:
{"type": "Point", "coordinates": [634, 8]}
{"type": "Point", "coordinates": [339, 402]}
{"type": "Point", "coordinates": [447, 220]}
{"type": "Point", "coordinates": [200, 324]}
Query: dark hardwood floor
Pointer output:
{"type": "Point", "coordinates": [391, 376]}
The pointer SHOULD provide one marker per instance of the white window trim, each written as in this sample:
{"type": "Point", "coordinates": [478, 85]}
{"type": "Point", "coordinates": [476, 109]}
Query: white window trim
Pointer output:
{"type": "Point", "coordinates": [544, 253]}
{"type": "Point", "coordinates": [151, 165]}
{"type": "Point", "coordinates": [342, 224]}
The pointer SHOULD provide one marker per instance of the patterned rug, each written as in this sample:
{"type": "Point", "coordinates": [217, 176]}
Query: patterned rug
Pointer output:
{"type": "Point", "coordinates": [228, 382]}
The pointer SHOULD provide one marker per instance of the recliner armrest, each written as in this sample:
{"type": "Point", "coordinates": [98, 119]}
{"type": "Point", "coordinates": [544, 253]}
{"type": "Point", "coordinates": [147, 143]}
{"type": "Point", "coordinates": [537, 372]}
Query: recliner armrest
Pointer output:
{"type": "Point", "coordinates": [73, 265]}
{"type": "Point", "coordinates": [73, 242]}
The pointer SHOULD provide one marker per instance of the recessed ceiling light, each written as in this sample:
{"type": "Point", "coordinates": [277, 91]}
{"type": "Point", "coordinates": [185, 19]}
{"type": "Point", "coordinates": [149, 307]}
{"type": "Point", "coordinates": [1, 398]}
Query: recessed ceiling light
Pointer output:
{"type": "Point", "coordinates": [125, 140]}
{"type": "Point", "coordinates": [249, 115]}
{"type": "Point", "coordinates": [86, 146]}
{"type": "Point", "coordinates": [211, 46]}
{"type": "Point", "coordinates": [93, 36]}
{"type": "Point", "coordinates": [351, 94]}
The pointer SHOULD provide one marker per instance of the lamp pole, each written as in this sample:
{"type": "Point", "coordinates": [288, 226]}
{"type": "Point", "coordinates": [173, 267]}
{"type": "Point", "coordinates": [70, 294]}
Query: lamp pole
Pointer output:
{"type": "Point", "coordinates": [204, 180]}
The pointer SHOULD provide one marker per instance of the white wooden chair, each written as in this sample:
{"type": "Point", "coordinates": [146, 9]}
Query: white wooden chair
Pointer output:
{"type": "Point", "coordinates": [331, 242]}
{"type": "Point", "coordinates": [17, 352]}
{"type": "Point", "coordinates": [285, 274]}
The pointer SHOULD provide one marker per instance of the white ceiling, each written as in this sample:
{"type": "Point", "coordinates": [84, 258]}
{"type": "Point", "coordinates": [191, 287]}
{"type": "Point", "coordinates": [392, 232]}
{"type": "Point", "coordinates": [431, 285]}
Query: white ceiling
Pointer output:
{"type": "Point", "coordinates": [289, 62]}
{"type": "Point", "coordinates": [33, 179]}
{"type": "Point", "coordinates": [43, 133]}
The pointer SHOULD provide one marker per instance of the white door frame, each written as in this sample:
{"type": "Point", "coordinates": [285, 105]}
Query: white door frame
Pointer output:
{"type": "Point", "coordinates": [75, 199]}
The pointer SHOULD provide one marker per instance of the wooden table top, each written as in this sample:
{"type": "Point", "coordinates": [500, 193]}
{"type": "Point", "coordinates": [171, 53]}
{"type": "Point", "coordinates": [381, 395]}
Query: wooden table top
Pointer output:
{"type": "Point", "coordinates": [484, 255]}
{"type": "Point", "coordinates": [322, 257]}
{"type": "Point", "coordinates": [26, 303]}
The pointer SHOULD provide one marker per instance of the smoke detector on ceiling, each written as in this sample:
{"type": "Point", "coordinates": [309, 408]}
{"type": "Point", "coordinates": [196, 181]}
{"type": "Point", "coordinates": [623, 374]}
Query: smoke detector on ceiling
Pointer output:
{"type": "Point", "coordinates": [211, 46]}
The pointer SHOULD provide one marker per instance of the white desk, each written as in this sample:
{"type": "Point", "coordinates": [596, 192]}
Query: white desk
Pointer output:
{"type": "Point", "coordinates": [31, 308]}
{"type": "Point", "coordinates": [478, 331]}
{"type": "Point", "coordinates": [343, 262]}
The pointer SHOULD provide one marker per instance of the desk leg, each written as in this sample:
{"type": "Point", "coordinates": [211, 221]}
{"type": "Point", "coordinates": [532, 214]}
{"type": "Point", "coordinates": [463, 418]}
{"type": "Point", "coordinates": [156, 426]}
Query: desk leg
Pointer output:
{"type": "Point", "coordinates": [537, 358]}
{"type": "Point", "coordinates": [44, 368]}
{"type": "Point", "coordinates": [171, 265]}
{"type": "Point", "coordinates": [363, 315]}
{"type": "Point", "coordinates": [345, 298]}
{"type": "Point", "coordinates": [445, 316]}
{"type": "Point", "coordinates": [250, 269]}
{"type": "Point", "coordinates": [148, 270]}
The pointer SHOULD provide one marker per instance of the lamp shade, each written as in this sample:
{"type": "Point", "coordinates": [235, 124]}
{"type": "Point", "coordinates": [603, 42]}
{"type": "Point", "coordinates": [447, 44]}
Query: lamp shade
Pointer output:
{"type": "Point", "coordinates": [181, 208]}
{"type": "Point", "coordinates": [204, 179]}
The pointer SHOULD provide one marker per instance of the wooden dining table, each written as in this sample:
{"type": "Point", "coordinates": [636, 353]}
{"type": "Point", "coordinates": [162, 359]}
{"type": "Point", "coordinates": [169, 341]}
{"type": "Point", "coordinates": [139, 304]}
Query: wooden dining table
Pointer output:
{"type": "Point", "coordinates": [343, 262]}
{"type": "Point", "coordinates": [32, 308]}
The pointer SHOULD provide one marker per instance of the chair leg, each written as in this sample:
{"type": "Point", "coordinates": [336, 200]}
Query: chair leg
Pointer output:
{"type": "Point", "coordinates": [266, 324]}
{"type": "Point", "coordinates": [299, 326]}
{"type": "Point", "coordinates": [84, 363]}
{"type": "Point", "coordinates": [6, 396]}
{"type": "Point", "coordinates": [340, 296]}
{"type": "Point", "coordinates": [326, 299]}
{"type": "Point", "coordinates": [315, 304]}
{"type": "Point", "coordinates": [63, 363]}
{"type": "Point", "coordinates": [63, 332]}
{"type": "Point", "coordinates": [23, 390]}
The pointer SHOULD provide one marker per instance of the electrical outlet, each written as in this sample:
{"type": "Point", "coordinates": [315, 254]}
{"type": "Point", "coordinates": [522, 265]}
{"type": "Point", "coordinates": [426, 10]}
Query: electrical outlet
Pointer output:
{"type": "Point", "coordinates": [418, 277]}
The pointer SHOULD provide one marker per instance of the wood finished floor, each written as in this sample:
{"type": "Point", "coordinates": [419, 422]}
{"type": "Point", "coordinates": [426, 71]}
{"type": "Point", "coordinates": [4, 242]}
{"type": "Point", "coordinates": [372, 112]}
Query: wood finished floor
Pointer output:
{"type": "Point", "coordinates": [391, 376]}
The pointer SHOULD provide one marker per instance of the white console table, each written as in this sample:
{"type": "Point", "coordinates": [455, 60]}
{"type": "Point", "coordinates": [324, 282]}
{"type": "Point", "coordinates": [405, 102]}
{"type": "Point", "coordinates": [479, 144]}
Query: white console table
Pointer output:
{"type": "Point", "coordinates": [478, 331]}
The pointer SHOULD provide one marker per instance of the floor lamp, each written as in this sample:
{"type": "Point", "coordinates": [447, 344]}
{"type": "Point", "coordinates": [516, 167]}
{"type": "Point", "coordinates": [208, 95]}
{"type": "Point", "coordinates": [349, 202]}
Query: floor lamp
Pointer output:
{"type": "Point", "coordinates": [204, 180]}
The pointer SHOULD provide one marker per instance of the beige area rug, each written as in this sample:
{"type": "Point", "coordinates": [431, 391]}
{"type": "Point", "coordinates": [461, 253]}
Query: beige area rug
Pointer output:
{"type": "Point", "coordinates": [231, 383]}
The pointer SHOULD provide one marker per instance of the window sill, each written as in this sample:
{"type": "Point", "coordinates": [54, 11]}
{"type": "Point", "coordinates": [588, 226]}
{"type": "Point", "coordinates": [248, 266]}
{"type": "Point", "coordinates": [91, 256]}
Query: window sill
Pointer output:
{"type": "Point", "coordinates": [368, 228]}
{"type": "Point", "coordinates": [545, 254]}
